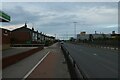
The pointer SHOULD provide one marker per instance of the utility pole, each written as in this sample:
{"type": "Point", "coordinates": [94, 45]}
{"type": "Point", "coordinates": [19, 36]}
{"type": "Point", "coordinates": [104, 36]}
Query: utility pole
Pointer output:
{"type": "Point", "coordinates": [75, 29]}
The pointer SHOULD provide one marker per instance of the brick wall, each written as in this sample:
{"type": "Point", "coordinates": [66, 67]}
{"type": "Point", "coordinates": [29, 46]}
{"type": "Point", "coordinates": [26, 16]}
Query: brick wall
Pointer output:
{"type": "Point", "coordinates": [20, 37]}
{"type": "Point", "coordinates": [5, 38]}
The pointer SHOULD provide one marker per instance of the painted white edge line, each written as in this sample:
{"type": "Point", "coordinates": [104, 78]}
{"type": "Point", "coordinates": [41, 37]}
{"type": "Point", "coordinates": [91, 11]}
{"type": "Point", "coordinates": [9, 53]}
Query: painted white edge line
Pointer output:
{"type": "Point", "coordinates": [34, 67]}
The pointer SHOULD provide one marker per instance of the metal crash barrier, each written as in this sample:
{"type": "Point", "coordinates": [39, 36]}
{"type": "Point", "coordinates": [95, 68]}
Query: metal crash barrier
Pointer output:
{"type": "Point", "coordinates": [75, 72]}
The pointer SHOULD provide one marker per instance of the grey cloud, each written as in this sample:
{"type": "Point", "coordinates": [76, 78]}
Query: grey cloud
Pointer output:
{"type": "Point", "coordinates": [19, 15]}
{"type": "Point", "coordinates": [59, 17]}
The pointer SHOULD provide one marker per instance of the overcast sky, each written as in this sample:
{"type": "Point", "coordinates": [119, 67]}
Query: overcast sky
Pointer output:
{"type": "Point", "coordinates": [58, 17]}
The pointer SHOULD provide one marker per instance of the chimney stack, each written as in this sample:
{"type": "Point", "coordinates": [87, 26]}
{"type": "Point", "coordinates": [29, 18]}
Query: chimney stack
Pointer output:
{"type": "Point", "coordinates": [32, 28]}
{"type": "Point", "coordinates": [25, 25]}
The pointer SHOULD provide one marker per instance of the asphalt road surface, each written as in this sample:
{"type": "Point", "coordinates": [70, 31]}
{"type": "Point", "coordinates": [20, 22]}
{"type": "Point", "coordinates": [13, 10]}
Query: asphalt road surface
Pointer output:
{"type": "Point", "coordinates": [94, 62]}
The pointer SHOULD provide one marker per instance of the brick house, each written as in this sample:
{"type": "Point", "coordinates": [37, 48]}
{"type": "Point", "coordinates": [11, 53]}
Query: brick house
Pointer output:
{"type": "Point", "coordinates": [40, 37]}
{"type": "Point", "coordinates": [23, 35]}
{"type": "Point", "coordinates": [4, 33]}
{"type": "Point", "coordinates": [5, 36]}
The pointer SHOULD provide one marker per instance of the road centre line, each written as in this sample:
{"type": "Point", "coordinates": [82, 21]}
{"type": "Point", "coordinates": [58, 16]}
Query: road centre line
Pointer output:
{"type": "Point", "coordinates": [95, 54]}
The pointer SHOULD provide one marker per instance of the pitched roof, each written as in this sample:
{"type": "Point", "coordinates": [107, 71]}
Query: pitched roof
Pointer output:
{"type": "Point", "coordinates": [4, 29]}
{"type": "Point", "coordinates": [23, 28]}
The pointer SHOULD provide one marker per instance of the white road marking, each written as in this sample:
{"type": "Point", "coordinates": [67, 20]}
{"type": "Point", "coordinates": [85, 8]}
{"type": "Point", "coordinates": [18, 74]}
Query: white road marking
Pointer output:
{"type": "Point", "coordinates": [95, 54]}
{"type": "Point", "coordinates": [116, 48]}
{"type": "Point", "coordinates": [45, 47]}
{"type": "Point", "coordinates": [34, 67]}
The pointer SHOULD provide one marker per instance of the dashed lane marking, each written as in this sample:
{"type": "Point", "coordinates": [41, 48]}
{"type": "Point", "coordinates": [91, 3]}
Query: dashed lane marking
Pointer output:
{"type": "Point", "coordinates": [95, 54]}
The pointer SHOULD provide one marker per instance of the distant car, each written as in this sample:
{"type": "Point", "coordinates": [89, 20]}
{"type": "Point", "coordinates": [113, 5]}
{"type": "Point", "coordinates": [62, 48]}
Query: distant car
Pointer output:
{"type": "Point", "coordinates": [61, 42]}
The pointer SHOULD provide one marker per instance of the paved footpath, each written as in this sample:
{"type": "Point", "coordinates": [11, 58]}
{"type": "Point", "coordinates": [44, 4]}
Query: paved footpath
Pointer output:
{"type": "Point", "coordinates": [53, 66]}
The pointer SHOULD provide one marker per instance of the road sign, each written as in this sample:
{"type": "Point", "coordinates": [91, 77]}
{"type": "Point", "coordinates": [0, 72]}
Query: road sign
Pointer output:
{"type": "Point", "coordinates": [4, 17]}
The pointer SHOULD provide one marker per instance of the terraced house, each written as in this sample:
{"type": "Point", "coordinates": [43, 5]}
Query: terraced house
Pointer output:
{"type": "Point", "coordinates": [4, 33]}
{"type": "Point", "coordinates": [5, 38]}
{"type": "Point", "coordinates": [25, 35]}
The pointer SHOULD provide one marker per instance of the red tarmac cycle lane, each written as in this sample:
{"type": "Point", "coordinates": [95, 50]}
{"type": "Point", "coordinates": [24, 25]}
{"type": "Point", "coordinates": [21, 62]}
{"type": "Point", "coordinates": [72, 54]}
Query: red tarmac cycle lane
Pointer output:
{"type": "Point", "coordinates": [46, 68]}
{"type": "Point", "coordinates": [52, 66]}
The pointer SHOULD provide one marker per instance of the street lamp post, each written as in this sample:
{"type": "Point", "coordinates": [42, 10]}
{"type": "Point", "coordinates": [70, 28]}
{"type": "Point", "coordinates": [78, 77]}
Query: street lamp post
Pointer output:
{"type": "Point", "coordinates": [75, 29]}
{"type": "Point", "coordinates": [55, 36]}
